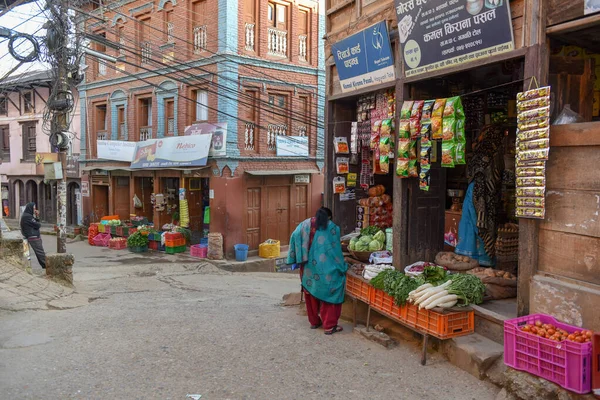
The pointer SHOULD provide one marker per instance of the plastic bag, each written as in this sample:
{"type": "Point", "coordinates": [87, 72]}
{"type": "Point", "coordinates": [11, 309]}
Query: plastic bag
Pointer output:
{"type": "Point", "coordinates": [137, 203]}
{"type": "Point", "coordinates": [567, 116]}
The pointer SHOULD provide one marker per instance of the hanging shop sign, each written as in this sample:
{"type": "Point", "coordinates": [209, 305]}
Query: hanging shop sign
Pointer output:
{"type": "Point", "coordinates": [116, 150]}
{"type": "Point", "coordinates": [218, 145]}
{"type": "Point", "coordinates": [180, 151]}
{"type": "Point", "coordinates": [365, 58]}
{"type": "Point", "coordinates": [85, 189]}
{"type": "Point", "coordinates": [436, 34]}
{"type": "Point", "coordinates": [302, 178]}
{"type": "Point", "coordinates": [292, 146]}
{"type": "Point", "coordinates": [73, 166]}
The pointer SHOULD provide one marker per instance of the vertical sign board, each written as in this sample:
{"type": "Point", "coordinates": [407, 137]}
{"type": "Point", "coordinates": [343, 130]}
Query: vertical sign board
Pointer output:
{"type": "Point", "coordinates": [365, 58]}
{"type": "Point", "coordinates": [436, 34]}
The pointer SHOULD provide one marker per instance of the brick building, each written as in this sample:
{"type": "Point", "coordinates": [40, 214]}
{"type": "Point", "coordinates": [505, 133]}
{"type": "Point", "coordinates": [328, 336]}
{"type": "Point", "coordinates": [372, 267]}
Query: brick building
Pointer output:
{"type": "Point", "coordinates": [254, 65]}
{"type": "Point", "coordinates": [24, 148]}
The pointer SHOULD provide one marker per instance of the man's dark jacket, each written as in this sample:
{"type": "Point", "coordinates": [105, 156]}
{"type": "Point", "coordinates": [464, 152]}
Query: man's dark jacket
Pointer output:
{"type": "Point", "coordinates": [30, 225]}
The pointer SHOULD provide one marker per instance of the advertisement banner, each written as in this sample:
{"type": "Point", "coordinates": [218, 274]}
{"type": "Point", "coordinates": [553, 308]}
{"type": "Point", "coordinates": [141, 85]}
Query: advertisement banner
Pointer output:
{"type": "Point", "coordinates": [218, 145]}
{"type": "Point", "coordinates": [292, 146]}
{"type": "Point", "coordinates": [116, 150]}
{"type": "Point", "coordinates": [179, 151]}
{"type": "Point", "coordinates": [365, 58]}
{"type": "Point", "coordinates": [436, 34]}
{"type": "Point", "coordinates": [44, 158]}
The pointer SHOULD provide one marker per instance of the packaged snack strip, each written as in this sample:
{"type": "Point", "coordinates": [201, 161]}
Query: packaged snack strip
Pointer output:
{"type": "Point", "coordinates": [539, 202]}
{"type": "Point", "coordinates": [426, 131]}
{"type": "Point", "coordinates": [532, 155]}
{"type": "Point", "coordinates": [417, 109]}
{"type": "Point", "coordinates": [543, 133]}
{"type": "Point", "coordinates": [460, 130]}
{"type": "Point", "coordinates": [386, 127]}
{"type": "Point", "coordinates": [341, 145]}
{"type": "Point", "coordinates": [427, 110]}
{"type": "Point", "coordinates": [536, 113]}
{"type": "Point", "coordinates": [412, 150]}
{"type": "Point", "coordinates": [406, 109]}
{"type": "Point", "coordinates": [404, 149]}
{"type": "Point", "coordinates": [533, 93]}
{"type": "Point", "coordinates": [404, 129]}
{"type": "Point", "coordinates": [425, 154]}
{"type": "Point", "coordinates": [530, 191]}
{"type": "Point", "coordinates": [449, 129]}
{"type": "Point", "coordinates": [448, 154]}
{"type": "Point", "coordinates": [384, 163]}
{"type": "Point", "coordinates": [385, 145]}
{"type": "Point", "coordinates": [436, 128]}
{"type": "Point", "coordinates": [530, 171]}
{"type": "Point", "coordinates": [402, 168]}
{"type": "Point", "coordinates": [533, 181]}
{"type": "Point", "coordinates": [425, 178]}
{"type": "Point", "coordinates": [453, 107]}
{"type": "Point", "coordinates": [461, 157]}
{"type": "Point", "coordinates": [438, 108]}
{"type": "Point", "coordinates": [375, 134]}
{"type": "Point", "coordinates": [539, 123]}
{"type": "Point", "coordinates": [534, 144]}
{"type": "Point", "coordinates": [533, 103]}
{"type": "Point", "coordinates": [530, 212]}
{"type": "Point", "coordinates": [413, 171]}
{"type": "Point", "coordinates": [342, 165]}
{"type": "Point", "coordinates": [415, 128]}
{"type": "Point", "coordinates": [523, 163]}
{"type": "Point", "coordinates": [339, 185]}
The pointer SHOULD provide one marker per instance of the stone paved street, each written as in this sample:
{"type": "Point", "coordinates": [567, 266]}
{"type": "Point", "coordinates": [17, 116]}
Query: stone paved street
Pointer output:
{"type": "Point", "coordinates": [162, 330]}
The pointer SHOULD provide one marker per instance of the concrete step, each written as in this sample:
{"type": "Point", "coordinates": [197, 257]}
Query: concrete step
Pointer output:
{"type": "Point", "coordinates": [474, 353]}
{"type": "Point", "coordinates": [490, 324]}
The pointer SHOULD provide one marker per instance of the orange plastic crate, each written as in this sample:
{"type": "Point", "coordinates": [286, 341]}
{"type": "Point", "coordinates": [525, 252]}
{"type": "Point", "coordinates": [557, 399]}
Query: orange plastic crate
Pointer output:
{"type": "Point", "coordinates": [174, 242]}
{"type": "Point", "coordinates": [357, 288]}
{"type": "Point", "coordinates": [384, 303]}
{"type": "Point", "coordinates": [442, 326]}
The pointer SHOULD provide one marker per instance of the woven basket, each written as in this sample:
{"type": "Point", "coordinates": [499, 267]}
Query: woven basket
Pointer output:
{"type": "Point", "coordinates": [362, 256]}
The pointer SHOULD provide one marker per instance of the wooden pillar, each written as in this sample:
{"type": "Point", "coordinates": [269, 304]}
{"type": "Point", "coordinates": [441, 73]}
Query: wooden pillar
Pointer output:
{"type": "Point", "coordinates": [132, 209]}
{"type": "Point", "coordinates": [156, 190]}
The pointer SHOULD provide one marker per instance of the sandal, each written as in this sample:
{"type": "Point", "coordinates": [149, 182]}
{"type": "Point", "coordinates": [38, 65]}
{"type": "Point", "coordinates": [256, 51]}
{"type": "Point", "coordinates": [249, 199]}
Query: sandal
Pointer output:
{"type": "Point", "coordinates": [333, 330]}
{"type": "Point", "coordinates": [316, 326]}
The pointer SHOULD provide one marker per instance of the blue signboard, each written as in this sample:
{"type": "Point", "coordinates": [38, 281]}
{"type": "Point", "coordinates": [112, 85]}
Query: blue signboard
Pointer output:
{"type": "Point", "coordinates": [365, 58]}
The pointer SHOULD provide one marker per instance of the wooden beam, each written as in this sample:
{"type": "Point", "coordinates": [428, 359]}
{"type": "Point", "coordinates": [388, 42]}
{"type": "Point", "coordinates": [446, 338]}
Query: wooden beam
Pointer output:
{"type": "Point", "coordinates": [356, 93]}
{"type": "Point", "coordinates": [13, 103]}
{"type": "Point", "coordinates": [38, 94]}
{"type": "Point", "coordinates": [575, 25]}
{"type": "Point", "coordinates": [584, 134]}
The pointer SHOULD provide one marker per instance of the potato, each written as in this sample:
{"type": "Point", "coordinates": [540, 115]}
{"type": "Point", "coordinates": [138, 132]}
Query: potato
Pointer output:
{"type": "Point", "coordinates": [507, 275]}
{"type": "Point", "coordinates": [490, 272]}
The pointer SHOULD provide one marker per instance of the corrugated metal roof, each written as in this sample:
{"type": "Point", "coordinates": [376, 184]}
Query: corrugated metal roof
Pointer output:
{"type": "Point", "coordinates": [27, 79]}
{"type": "Point", "coordinates": [282, 172]}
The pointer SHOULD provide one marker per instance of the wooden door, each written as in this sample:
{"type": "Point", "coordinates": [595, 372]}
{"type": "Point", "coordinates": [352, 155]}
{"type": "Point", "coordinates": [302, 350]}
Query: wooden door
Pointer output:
{"type": "Point", "coordinates": [278, 214]}
{"type": "Point", "coordinates": [301, 205]}
{"type": "Point", "coordinates": [572, 83]}
{"type": "Point", "coordinates": [121, 197]}
{"type": "Point", "coordinates": [196, 204]}
{"type": "Point", "coordinates": [100, 202]}
{"type": "Point", "coordinates": [253, 211]}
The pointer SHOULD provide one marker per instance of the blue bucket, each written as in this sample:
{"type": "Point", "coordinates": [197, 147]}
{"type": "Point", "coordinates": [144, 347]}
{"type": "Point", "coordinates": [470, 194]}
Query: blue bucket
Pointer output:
{"type": "Point", "coordinates": [241, 252]}
{"type": "Point", "coordinates": [204, 240]}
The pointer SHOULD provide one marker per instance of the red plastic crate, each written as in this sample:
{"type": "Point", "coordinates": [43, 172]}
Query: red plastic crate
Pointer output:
{"type": "Point", "coordinates": [567, 363]}
{"type": "Point", "coordinates": [153, 245]}
{"type": "Point", "coordinates": [441, 325]}
{"type": "Point", "coordinates": [174, 242]}
{"type": "Point", "coordinates": [357, 287]}
{"type": "Point", "coordinates": [102, 239]}
{"type": "Point", "coordinates": [173, 235]}
{"type": "Point", "coordinates": [117, 244]}
{"type": "Point", "coordinates": [384, 303]}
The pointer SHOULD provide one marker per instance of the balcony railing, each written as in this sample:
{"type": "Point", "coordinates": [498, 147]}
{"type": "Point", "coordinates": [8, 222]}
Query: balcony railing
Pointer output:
{"type": "Point", "coordinates": [249, 136]}
{"type": "Point", "coordinates": [146, 52]}
{"type": "Point", "coordinates": [170, 126]}
{"type": "Point", "coordinates": [276, 42]}
{"type": "Point", "coordinates": [302, 130]}
{"type": "Point", "coordinates": [199, 39]}
{"type": "Point", "coordinates": [302, 51]}
{"type": "Point", "coordinates": [274, 130]}
{"type": "Point", "coordinates": [250, 36]}
{"type": "Point", "coordinates": [170, 32]}
{"type": "Point", "coordinates": [145, 133]}
{"type": "Point", "coordinates": [102, 135]}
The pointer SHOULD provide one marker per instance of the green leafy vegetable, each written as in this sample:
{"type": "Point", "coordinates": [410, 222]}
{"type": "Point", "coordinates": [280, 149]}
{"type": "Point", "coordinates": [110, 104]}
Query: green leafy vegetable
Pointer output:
{"type": "Point", "coordinates": [136, 239]}
{"type": "Point", "coordinates": [434, 275]}
{"type": "Point", "coordinates": [374, 245]}
{"type": "Point", "coordinates": [468, 288]}
{"type": "Point", "coordinates": [396, 284]}
{"type": "Point", "coordinates": [379, 236]}
{"type": "Point", "coordinates": [369, 231]}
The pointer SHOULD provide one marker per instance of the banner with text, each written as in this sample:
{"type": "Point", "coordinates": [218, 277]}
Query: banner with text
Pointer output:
{"type": "Point", "coordinates": [365, 58]}
{"type": "Point", "coordinates": [218, 146]}
{"type": "Point", "coordinates": [179, 151]}
{"type": "Point", "coordinates": [291, 146]}
{"type": "Point", "coordinates": [116, 150]}
{"type": "Point", "coordinates": [436, 34]}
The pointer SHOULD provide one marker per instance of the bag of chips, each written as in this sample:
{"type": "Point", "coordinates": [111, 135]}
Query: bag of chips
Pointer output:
{"type": "Point", "coordinates": [417, 109]}
{"type": "Point", "coordinates": [425, 178]}
{"type": "Point", "coordinates": [460, 130]}
{"type": "Point", "coordinates": [342, 165]}
{"type": "Point", "coordinates": [385, 145]}
{"type": "Point", "coordinates": [448, 154]}
{"type": "Point", "coordinates": [426, 131]}
{"type": "Point", "coordinates": [412, 151]}
{"type": "Point", "coordinates": [402, 168]}
{"type": "Point", "coordinates": [461, 157]}
{"type": "Point", "coordinates": [339, 185]}
{"type": "Point", "coordinates": [438, 108]}
{"type": "Point", "coordinates": [406, 109]}
{"type": "Point", "coordinates": [415, 128]}
{"type": "Point", "coordinates": [404, 149]}
{"type": "Point", "coordinates": [436, 128]}
{"type": "Point", "coordinates": [384, 163]}
{"type": "Point", "coordinates": [449, 129]}
{"type": "Point", "coordinates": [425, 154]}
{"type": "Point", "coordinates": [427, 110]}
{"type": "Point", "coordinates": [413, 171]}
{"type": "Point", "coordinates": [387, 127]}
{"type": "Point", "coordinates": [453, 108]}
{"type": "Point", "coordinates": [404, 129]}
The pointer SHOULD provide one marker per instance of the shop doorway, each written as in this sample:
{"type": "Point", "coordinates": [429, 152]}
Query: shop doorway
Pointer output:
{"type": "Point", "coordinates": [31, 193]}
{"type": "Point", "coordinates": [253, 199]}
{"type": "Point", "coordinates": [143, 188]}
{"type": "Point", "coordinates": [48, 211]}
{"type": "Point", "coordinates": [169, 212]}
{"type": "Point", "coordinates": [198, 200]}
{"type": "Point", "coordinates": [72, 189]}
{"type": "Point", "coordinates": [121, 197]}
{"type": "Point", "coordinates": [278, 213]}
{"type": "Point", "coordinates": [100, 202]}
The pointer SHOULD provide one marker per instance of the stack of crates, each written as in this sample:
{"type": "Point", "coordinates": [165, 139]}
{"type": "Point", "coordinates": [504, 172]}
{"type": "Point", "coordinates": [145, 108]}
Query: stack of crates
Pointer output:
{"type": "Point", "coordinates": [174, 243]}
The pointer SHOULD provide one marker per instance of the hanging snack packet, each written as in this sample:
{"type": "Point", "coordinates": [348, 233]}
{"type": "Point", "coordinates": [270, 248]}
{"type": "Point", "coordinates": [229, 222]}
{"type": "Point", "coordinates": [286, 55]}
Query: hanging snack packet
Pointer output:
{"type": "Point", "coordinates": [530, 192]}
{"type": "Point", "coordinates": [448, 154]}
{"type": "Point", "coordinates": [461, 157]}
{"type": "Point", "coordinates": [427, 110]}
{"type": "Point", "coordinates": [404, 149]}
{"type": "Point", "coordinates": [412, 150]}
{"type": "Point", "coordinates": [436, 128]}
{"type": "Point", "coordinates": [415, 128]}
{"type": "Point", "coordinates": [406, 109]}
{"type": "Point", "coordinates": [341, 145]}
{"type": "Point", "coordinates": [535, 134]}
{"type": "Point", "coordinates": [531, 202]}
{"type": "Point", "coordinates": [351, 178]}
{"type": "Point", "coordinates": [533, 115]}
{"type": "Point", "coordinates": [533, 155]}
{"type": "Point", "coordinates": [339, 185]}
{"type": "Point", "coordinates": [424, 178]}
{"type": "Point", "coordinates": [375, 134]}
{"type": "Point", "coordinates": [404, 129]}
{"type": "Point", "coordinates": [402, 168]}
{"type": "Point", "coordinates": [417, 109]}
{"type": "Point", "coordinates": [426, 131]}
{"type": "Point", "coordinates": [522, 163]}
{"type": "Point", "coordinates": [413, 171]}
{"type": "Point", "coordinates": [438, 108]}
{"type": "Point", "coordinates": [384, 163]}
{"type": "Point", "coordinates": [449, 129]}
{"type": "Point", "coordinates": [342, 165]}
{"type": "Point", "coordinates": [534, 144]}
{"type": "Point", "coordinates": [533, 103]}
{"type": "Point", "coordinates": [425, 154]}
{"type": "Point", "coordinates": [534, 93]}
{"type": "Point", "coordinates": [385, 145]}
{"type": "Point", "coordinates": [453, 108]}
{"type": "Point", "coordinates": [540, 123]}
{"type": "Point", "coordinates": [460, 130]}
{"type": "Point", "coordinates": [386, 127]}
{"type": "Point", "coordinates": [533, 181]}
{"type": "Point", "coordinates": [530, 212]}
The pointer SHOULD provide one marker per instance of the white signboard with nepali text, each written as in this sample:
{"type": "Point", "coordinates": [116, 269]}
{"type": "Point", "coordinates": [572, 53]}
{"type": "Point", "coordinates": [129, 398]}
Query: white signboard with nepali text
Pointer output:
{"type": "Point", "coordinates": [178, 151]}
{"type": "Point", "coordinates": [292, 146]}
{"type": "Point", "coordinates": [116, 150]}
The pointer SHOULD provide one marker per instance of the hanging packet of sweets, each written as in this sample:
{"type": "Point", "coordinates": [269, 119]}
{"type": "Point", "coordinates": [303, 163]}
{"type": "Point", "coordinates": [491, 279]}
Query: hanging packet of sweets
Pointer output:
{"type": "Point", "coordinates": [415, 128]}
{"type": "Point", "coordinates": [535, 134]}
{"type": "Point", "coordinates": [531, 181]}
{"type": "Point", "coordinates": [461, 156]}
{"type": "Point", "coordinates": [534, 115]}
{"type": "Point", "coordinates": [531, 202]}
{"type": "Point", "coordinates": [404, 149]}
{"type": "Point", "coordinates": [453, 108]}
{"type": "Point", "coordinates": [530, 212]}
{"type": "Point", "coordinates": [436, 128]}
{"type": "Point", "coordinates": [404, 129]}
{"type": "Point", "coordinates": [413, 171]}
{"type": "Point", "coordinates": [341, 145]}
{"type": "Point", "coordinates": [449, 129]}
{"type": "Point", "coordinates": [339, 185]}
{"type": "Point", "coordinates": [425, 178]}
{"type": "Point", "coordinates": [384, 163]}
{"type": "Point", "coordinates": [351, 179]}
{"type": "Point", "coordinates": [342, 165]}
{"type": "Point", "coordinates": [533, 155]}
{"type": "Point", "coordinates": [534, 144]}
{"type": "Point", "coordinates": [530, 171]}
{"type": "Point", "coordinates": [527, 105]}
{"type": "Point", "coordinates": [406, 109]}
{"type": "Point", "coordinates": [427, 110]}
{"type": "Point", "coordinates": [534, 93]}
{"type": "Point", "coordinates": [448, 154]}
{"type": "Point", "coordinates": [417, 109]}
{"type": "Point", "coordinates": [438, 108]}
{"type": "Point", "coordinates": [540, 123]}
{"type": "Point", "coordinates": [530, 192]}
{"type": "Point", "coordinates": [375, 134]}
{"type": "Point", "coordinates": [402, 168]}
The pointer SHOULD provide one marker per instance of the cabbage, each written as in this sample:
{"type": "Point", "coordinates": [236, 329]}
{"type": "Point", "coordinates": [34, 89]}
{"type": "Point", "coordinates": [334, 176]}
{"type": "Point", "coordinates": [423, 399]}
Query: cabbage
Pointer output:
{"type": "Point", "coordinates": [361, 246]}
{"type": "Point", "coordinates": [366, 239]}
{"type": "Point", "coordinates": [379, 236]}
{"type": "Point", "coordinates": [352, 244]}
{"type": "Point", "coordinates": [375, 245]}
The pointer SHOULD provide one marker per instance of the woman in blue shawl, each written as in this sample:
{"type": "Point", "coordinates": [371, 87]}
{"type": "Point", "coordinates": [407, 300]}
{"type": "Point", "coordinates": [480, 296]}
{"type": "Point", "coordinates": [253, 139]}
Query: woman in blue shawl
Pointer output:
{"type": "Point", "coordinates": [315, 245]}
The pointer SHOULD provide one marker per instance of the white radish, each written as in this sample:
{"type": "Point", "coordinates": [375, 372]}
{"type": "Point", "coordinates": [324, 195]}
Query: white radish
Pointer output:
{"type": "Point", "coordinates": [431, 291]}
{"type": "Point", "coordinates": [420, 289]}
{"type": "Point", "coordinates": [449, 304]}
{"type": "Point", "coordinates": [442, 300]}
{"type": "Point", "coordinates": [433, 298]}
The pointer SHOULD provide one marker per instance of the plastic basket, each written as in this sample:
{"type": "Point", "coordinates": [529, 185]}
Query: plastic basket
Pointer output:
{"type": "Point", "coordinates": [441, 325]}
{"type": "Point", "coordinates": [175, 250]}
{"type": "Point", "coordinates": [199, 250]}
{"type": "Point", "coordinates": [358, 288]}
{"type": "Point", "coordinates": [269, 250]}
{"type": "Point", "coordinates": [173, 236]}
{"type": "Point", "coordinates": [567, 363]}
{"type": "Point", "coordinates": [596, 363]}
{"type": "Point", "coordinates": [204, 240]}
{"type": "Point", "coordinates": [153, 245]}
{"type": "Point", "coordinates": [102, 239]}
{"type": "Point", "coordinates": [101, 228]}
{"type": "Point", "coordinates": [117, 244]}
{"type": "Point", "coordinates": [241, 252]}
{"type": "Point", "coordinates": [139, 249]}
{"type": "Point", "coordinates": [384, 303]}
{"type": "Point", "coordinates": [109, 218]}
{"type": "Point", "coordinates": [174, 242]}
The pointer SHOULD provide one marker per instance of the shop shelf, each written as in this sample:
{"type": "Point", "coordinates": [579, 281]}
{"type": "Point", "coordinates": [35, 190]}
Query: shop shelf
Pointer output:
{"type": "Point", "coordinates": [357, 287]}
{"type": "Point", "coordinates": [567, 363]}
{"type": "Point", "coordinates": [444, 325]}
{"type": "Point", "coordinates": [140, 249]}
{"type": "Point", "coordinates": [102, 239]}
{"type": "Point", "coordinates": [269, 250]}
{"type": "Point", "coordinates": [175, 242]}
{"type": "Point", "coordinates": [175, 250]}
{"type": "Point", "coordinates": [117, 244]}
{"type": "Point", "coordinates": [384, 303]}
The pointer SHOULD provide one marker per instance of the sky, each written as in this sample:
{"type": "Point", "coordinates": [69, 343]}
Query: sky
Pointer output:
{"type": "Point", "coordinates": [22, 19]}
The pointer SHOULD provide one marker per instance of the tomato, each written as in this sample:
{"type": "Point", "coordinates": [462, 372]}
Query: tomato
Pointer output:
{"type": "Point", "coordinates": [588, 334]}
{"type": "Point", "coordinates": [551, 331]}
{"type": "Point", "coordinates": [534, 330]}
{"type": "Point", "coordinates": [571, 337]}
{"type": "Point", "coordinates": [538, 323]}
{"type": "Point", "coordinates": [576, 333]}
{"type": "Point", "coordinates": [526, 328]}
{"type": "Point", "coordinates": [579, 339]}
